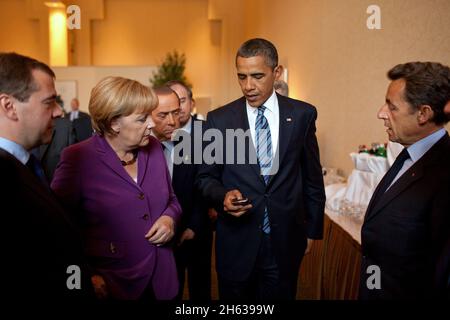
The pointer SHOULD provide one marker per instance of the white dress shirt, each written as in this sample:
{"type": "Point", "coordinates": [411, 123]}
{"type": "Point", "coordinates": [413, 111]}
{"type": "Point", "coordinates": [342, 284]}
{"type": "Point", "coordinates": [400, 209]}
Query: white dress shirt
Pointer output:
{"type": "Point", "coordinates": [168, 147]}
{"type": "Point", "coordinates": [74, 115]}
{"type": "Point", "coordinates": [187, 126]}
{"type": "Point", "coordinates": [272, 114]}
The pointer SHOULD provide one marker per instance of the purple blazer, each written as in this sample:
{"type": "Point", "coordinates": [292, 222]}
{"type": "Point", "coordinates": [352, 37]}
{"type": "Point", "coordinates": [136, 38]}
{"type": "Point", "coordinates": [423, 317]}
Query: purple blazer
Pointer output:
{"type": "Point", "coordinates": [115, 213]}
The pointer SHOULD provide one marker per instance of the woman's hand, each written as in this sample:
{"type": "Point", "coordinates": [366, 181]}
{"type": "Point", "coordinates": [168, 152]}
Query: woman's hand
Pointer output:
{"type": "Point", "coordinates": [162, 231]}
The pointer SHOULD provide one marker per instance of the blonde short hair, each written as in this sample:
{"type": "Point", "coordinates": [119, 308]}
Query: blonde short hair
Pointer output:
{"type": "Point", "coordinates": [115, 97]}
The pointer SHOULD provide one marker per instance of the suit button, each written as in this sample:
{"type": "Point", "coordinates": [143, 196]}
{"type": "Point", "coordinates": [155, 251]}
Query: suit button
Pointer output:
{"type": "Point", "coordinates": [141, 196]}
{"type": "Point", "coordinates": [145, 216]}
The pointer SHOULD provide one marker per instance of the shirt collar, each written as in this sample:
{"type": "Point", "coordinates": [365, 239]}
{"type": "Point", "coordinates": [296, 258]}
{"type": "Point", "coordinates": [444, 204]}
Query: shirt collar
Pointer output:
{"type": "Point", "coordinates": [418, 149]}
{"type": "Point", "coordinates": [269, 104]}
{"type": "Point", "coordinates": [168, 144]}
{"type": "Point", "coordinates": [187, 126]}
{"type": "Point", "coordinates": [15, 149]}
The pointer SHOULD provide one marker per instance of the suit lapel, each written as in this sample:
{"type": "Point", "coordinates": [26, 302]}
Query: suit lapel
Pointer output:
{"type": "Point", "coordinates": [242, 123]}
{"type": "Point", "coordinates": [109, 157]}
{"type": "Point", "coordinates": [286, 123]}
{"type": "Point", "coordinates": [408, 178]}
{"type": "Point", "coordinates": [142, 163]}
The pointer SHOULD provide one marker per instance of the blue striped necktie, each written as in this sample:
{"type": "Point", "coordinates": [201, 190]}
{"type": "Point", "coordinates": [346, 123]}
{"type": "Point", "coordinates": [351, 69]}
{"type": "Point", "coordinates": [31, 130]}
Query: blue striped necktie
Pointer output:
{"type": "Point", "coordinates": [264, 153]}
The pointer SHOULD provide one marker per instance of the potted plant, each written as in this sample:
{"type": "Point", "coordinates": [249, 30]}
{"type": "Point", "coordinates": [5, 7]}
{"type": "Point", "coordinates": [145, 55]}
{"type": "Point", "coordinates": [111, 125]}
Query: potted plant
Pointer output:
{"type": "Point", "coordinates": [172, 68]}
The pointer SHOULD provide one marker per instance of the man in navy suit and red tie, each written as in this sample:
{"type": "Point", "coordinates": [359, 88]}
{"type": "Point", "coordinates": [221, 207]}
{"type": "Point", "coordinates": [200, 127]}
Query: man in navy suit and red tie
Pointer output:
{"type": "Point", "coordinates": [271, 205]}
{"type": "Point", "coordinates": [406, 230]}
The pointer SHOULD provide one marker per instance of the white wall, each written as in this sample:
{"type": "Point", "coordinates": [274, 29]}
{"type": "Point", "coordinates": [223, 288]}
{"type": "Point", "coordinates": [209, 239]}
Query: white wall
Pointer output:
{"type": "Point", "coordinates": [87, 77]}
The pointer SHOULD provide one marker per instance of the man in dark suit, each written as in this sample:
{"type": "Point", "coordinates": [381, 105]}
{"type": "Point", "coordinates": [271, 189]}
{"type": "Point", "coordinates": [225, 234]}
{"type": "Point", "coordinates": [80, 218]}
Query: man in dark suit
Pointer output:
{"type": "Point", "coordinates": [81, 122]}
{"type": "Point", "coordinates": [193, 252]}
{"type": "Point", "coordinates": [49, 154]}
{"type": "Point", "coordinates": [194, 236]}
{"type": "Point", "coordinates": [41, 244]}
{"type": "Point", "coordinates": [405, 235]}
{"type": "Point", "coordinates": [260, 244]}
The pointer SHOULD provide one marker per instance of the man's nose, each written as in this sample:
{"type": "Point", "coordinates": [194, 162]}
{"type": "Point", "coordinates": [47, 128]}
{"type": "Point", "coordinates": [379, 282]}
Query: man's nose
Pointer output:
{"type": "Point", "coordinates": [150, 123]}
{"type": "Point", "coordinates": [248, 85]}
{"type": "Point", "coordinates": [57, 111]}
{"type": "Point", "coordinates": [382, 113]}
{"type": "Point", "coordinates": [171, 119]}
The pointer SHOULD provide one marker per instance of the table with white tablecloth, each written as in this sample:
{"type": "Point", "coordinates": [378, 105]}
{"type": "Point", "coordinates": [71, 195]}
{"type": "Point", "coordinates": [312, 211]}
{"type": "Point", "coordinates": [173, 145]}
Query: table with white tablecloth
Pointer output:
{"type": "Point", "coordinates": [331, 270]}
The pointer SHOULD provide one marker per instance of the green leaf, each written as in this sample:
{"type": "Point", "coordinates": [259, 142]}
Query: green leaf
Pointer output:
{"type": "Point", "coordinates": [172, 68]}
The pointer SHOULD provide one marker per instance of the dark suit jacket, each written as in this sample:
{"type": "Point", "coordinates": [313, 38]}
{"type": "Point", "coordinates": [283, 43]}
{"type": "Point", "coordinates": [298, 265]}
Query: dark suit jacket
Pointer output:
{"type": "Point", "coordinates": [49, 154]}
{"type": "Point", "coordinates": [82, 127]}
{"type": "Point", "coordinates": [405, 232]}
{"type": "Point", "coordinates": [294, 196]}
{"type": "Point", "coordinates": [40, 242]}
{"type": "Point", "coordinates": [195, 210]}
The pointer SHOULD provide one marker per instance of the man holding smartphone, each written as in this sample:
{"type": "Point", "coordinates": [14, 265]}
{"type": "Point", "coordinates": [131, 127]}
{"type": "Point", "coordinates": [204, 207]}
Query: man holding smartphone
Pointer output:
{"type": "Point", "coordinates": [260, 241]}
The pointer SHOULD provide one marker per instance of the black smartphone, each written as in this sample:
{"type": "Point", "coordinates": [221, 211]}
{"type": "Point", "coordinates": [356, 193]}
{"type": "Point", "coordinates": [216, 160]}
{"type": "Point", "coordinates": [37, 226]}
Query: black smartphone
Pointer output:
{"type": "Point", "coordinates": [240, 202]}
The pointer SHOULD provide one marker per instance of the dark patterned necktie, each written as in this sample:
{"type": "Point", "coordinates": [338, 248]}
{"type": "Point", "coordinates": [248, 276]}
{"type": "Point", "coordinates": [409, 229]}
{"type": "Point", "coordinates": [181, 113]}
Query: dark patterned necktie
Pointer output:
{"type": "Point", "coordinates": [390, 175]}
{"type": "Point", "coordinates": [35, 166]}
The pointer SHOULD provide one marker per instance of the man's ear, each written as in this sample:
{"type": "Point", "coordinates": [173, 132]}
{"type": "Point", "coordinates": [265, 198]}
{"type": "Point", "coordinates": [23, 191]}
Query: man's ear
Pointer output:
{"type": "Point", "coordinates": [8, 107]}
{"type": "Point", "coordinates": [278, 71]}
{"type": "Point", "coordinates": [425, 114]}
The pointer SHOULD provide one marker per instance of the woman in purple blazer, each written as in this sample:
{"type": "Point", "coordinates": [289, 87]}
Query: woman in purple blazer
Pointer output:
{"type": "Point", "coordinates": [118, 186]}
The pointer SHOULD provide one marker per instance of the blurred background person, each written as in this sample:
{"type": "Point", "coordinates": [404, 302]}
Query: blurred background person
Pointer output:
{"type": "Point", "coordinates": [81, 122]}
{"type": "Point", "coordinates": [119, 188]}
{"type": "Point", "coordinates": [281, 87]}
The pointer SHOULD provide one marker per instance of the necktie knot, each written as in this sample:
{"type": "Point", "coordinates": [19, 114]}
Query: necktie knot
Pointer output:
{"type": "Point", "coordinates": [402, 157]}
{"type": "Point", "coordinates": [261, 110]}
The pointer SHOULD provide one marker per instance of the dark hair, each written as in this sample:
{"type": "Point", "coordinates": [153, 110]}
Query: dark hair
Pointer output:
{"type": "Point", "coordinates": [174, 82]}
{"type": "Point", "coordinates": [16, 77]}
{"type": "Point", "coordinates": [427, 83]}
{"type": "Point", "coordinates": [166, 91]}
{"type": "Point", "coordinates": [259, 47]}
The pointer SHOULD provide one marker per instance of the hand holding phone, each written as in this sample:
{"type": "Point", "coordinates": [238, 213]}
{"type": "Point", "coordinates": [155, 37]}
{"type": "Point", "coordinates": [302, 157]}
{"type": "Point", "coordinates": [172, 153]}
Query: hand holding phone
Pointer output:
{"type": "Point", "coordinates": [240, 202]}
{"type": "Point", "coordinates": [235, 204]}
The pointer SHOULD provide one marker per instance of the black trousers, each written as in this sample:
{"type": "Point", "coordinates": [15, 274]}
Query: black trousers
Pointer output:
{"type": "Point", "coordinates": [265, 281]}
{"type": "Point", "coordinates": [194, 258]}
